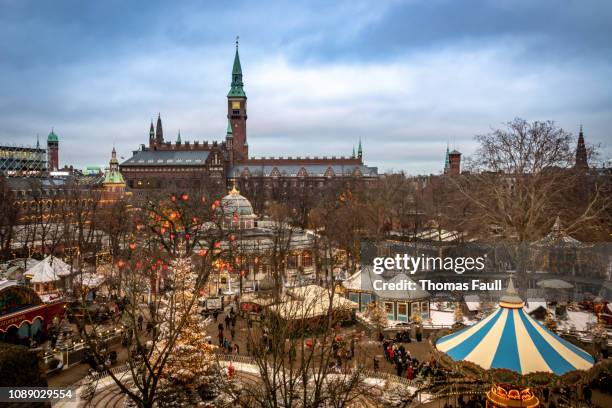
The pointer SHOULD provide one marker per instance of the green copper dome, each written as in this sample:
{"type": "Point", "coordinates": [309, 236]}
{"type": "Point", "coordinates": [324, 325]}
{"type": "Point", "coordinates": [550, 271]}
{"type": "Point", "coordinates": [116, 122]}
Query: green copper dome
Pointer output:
{"type": "Point", "coordinates": [113, 177]}
{"type": "Point", "coordinates": [52, 137]}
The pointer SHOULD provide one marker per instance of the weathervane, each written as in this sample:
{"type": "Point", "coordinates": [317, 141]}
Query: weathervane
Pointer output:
{"type": "Point", "coordinates": [237, 38]}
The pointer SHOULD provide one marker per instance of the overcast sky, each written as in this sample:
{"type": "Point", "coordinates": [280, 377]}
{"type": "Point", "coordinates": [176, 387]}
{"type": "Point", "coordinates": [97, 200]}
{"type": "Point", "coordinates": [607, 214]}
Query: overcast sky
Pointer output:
{"type": "Point", "coordinates": [404, 76]}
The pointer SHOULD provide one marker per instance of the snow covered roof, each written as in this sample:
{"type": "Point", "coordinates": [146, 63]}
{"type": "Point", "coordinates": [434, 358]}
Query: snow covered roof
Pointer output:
{"type": "Point", "coordinates": [48, 270]}
{"type": "Point", "coordinates": [558, 236]}
{"type": "Point", "coordinates": [534, 303]}
{"type": "Point", "coordinates": [90, 280]}
{"type": "Point", "coordinates": [555, 284]}
{"type": "Point", "coordinates": [364, 278]}
{"type": "Point", "coordinates": [306, 302]}
{"type": "Point", "coordinates": [472, 302]}
{"type": "Point", "coordinates": [7, 283]}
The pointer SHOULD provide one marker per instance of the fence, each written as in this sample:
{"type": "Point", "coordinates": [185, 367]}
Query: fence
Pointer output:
{"type": "Point", "coordinates": [366, 372]}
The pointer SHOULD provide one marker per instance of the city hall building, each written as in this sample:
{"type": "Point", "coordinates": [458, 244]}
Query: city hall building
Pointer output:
{"type": "Point", "coordinates": [181, 164]}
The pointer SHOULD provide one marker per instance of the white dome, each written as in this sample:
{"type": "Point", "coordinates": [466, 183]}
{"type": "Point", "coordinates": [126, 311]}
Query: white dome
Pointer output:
{"type": "Point", "coordinates": [234, 203]}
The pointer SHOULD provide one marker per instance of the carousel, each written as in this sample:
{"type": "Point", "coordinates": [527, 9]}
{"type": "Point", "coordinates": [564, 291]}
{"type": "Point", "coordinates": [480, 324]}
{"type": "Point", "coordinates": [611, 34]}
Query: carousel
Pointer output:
{"type": "Point", "coordinates": [510, 339]}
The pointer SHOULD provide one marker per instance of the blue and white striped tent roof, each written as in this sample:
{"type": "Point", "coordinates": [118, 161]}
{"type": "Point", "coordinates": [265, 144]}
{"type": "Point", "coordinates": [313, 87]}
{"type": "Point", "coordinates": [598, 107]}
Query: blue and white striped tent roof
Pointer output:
{"type": "Point", "coordinates": [510, 338]}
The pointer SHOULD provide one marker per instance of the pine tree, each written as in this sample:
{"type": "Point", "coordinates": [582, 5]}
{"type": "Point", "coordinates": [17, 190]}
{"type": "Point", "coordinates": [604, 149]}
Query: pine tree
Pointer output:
{"type": "Point", "coordinates": [191, 372]}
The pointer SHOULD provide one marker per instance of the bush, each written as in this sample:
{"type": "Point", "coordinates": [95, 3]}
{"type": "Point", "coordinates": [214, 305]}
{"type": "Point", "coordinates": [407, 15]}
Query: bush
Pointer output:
{"type": "Point", "coordinates": [20, 367]}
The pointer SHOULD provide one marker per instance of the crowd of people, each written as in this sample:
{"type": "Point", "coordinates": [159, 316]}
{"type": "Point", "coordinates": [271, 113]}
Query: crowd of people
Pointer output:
{"type": "Point", "coordinates": [228, 325]}
{"type": "Point", "coordinates": [404, 362]}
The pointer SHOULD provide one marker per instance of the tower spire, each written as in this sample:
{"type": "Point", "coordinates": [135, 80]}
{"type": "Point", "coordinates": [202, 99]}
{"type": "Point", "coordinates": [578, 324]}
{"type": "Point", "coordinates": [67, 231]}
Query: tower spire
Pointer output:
{"type": "Point", "coordinates": [581, 152]}
{"type": "Point", "coordinates": [159, 133]}
{"type": "Point", "coordinates": [446, 161]}
{"type": "Point", "coordinates": [178, 137]}
{"type": "Point", "coordinates": [359, 150]}
{"type": "Point", "coordinates": [237, 85]}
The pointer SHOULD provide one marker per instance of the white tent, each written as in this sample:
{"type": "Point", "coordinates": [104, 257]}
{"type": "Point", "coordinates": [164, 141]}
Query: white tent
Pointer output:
{"type": "Point", "coordinates": [49, 269]}
{"type": "Point", "coordinates": [90, 280]}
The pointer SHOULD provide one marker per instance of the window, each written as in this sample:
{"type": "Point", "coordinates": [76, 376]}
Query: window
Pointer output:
{"type": "Point", "coordinates": [402, 312]}
{"type": "Point", "coordinates": [415, 309]}
{"type": "Point", "coordinates": [236, 112]}
{"type": "Point", "coordinates": [389, 310]}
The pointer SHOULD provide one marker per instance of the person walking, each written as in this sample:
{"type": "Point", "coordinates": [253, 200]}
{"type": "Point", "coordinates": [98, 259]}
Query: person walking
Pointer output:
{"type": "Point", "coordinates": [140, 321]}
{"type": "Point", "coordinates": [220, 337]}
{"type": "Point", "coordinates": [227, 321]}
{"type": "Point", "coordinates": [233, 332]}
{"type": "Point", "coordinates": [410, 372]}
{"type": "Point", "coordinates": [399, 367]}
{"type": "Point", "coordinates": [587, 394]}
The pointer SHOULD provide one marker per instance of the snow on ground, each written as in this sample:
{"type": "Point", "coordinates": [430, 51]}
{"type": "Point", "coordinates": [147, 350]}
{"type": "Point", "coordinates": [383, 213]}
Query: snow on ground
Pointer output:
{"type": "Point", "coordinates": [580, 321]}
{"type": "Point", "coordinates": [444, 318]}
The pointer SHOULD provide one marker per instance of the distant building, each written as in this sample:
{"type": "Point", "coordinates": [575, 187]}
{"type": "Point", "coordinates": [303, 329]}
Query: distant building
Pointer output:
{"type": "Point", "coordinates": [581, 152]}
{"type": "Point", "coordinates": [452, 163]}
{"type": "Point", "coordinates": [113, 185]}
{"type": "Point", "coordinates": [184, 164]}
{"type": "Point", "coordinates": [53, 151]}
{"type": "Point", "coordinates": [27, 161]}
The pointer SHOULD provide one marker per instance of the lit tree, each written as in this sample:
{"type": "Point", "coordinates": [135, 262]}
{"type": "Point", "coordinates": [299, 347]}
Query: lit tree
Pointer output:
{"type": "Point", "coordinates": [161, 286]}
{"type": "Point", "coordinates": [191, 371]}
{"type": "Point", "coordinates": [377, 316]}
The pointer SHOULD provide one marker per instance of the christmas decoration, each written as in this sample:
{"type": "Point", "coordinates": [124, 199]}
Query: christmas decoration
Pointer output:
{"type": "Point", "coordinates": [191, 373]}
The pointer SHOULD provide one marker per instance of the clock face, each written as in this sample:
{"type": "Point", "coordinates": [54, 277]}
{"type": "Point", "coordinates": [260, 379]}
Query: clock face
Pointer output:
{"type": "Point", "coordinates": [235, 105]}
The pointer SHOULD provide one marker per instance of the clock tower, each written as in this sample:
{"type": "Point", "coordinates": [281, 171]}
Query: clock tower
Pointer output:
{"type": "Point", "coordinates": [237, 111]}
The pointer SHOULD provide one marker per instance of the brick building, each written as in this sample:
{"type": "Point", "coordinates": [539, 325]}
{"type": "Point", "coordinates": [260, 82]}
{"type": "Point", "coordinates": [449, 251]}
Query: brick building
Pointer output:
{"type": "Point", "coordinates": [177, 165]}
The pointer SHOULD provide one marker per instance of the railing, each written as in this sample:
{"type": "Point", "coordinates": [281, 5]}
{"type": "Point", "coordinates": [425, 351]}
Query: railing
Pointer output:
{"type": "Point", "coordinates": [366, 372]}
{"type": "Point", "coordinates": [96, 376]}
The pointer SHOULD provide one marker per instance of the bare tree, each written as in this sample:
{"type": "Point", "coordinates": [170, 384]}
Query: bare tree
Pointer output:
{"type": "Point", "coordinates": [520, 179]}
{"type": "Point", "coordinates": [302, 360]}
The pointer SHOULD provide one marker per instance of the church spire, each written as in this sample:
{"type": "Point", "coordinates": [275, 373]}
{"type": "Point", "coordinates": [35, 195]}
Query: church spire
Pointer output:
{"type": "Point", "coordinates": [237, 89]}
{"type": "Point", "coordinates": [353, 155]}
{"type": "Point", "coordinates": [178, 137]}
{"type": "Point", "coordinates": [359, 150]}
{"type": "Point", "coordinates": [446, 161]}
{"type": "Point", "coordinates": [159, 133]}
{"type": "Point", "coordinates": [581, 152]}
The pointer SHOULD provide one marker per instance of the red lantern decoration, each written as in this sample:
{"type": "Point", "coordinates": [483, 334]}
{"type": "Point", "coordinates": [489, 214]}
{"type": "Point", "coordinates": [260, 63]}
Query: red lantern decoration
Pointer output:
{"type": "Point", "coordinates": [217, 245]}
{"type": "Point", "coordinates": [138, 264]}
{"type": "Point", "coordinates": [162, 230]}
{"type": "Point", "coordinates": [120, 264]}
{"type": "Point", "coordinates": [132, 246]}
{"type": "Point", "coordinates": [202, 252]}
{"type": "Point", "coordinates": [173, 198]}
{"type": "Point", "coordinates": [308, 343]}
{"type": "Point", "coordinates": [187, 236]}
{"type": "Point", "coordinates": [185, 197]}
